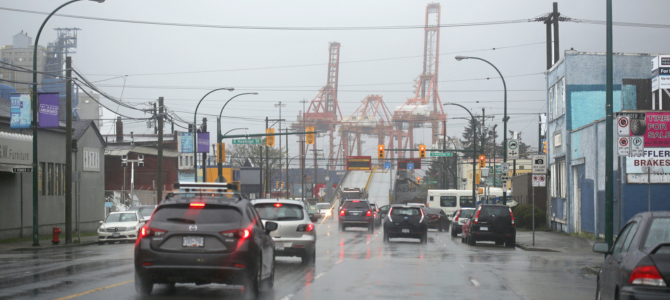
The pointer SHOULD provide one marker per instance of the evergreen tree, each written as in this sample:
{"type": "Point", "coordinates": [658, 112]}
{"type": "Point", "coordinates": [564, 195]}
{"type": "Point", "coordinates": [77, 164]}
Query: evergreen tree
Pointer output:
{"type": "Point", "coordinates": [237, 155]}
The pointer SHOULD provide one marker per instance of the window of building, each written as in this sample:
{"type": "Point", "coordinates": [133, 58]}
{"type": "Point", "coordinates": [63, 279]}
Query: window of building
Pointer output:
{"type": "Point", "coordinates": [552, 103]}
{"type": "Point", "coordinates": [57, 180]}
{"type": "Point", "coordinates": [558, 179]}
{"type": "Point", "coordinates": [50, 179]}
{"type": "Point", "coordinates": [563, 93]}
{"type": "Point", "coordinates": [42, 180]}
{"type": "Point", "coordinates": [180, 160]}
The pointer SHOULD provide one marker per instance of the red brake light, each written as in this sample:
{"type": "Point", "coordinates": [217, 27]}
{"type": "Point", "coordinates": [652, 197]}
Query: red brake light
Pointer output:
{"type": "Point", "coordinates": [457, 215]}
{"type": "Point", "coordinates": [646, 275]}
{"type": "Point", "coordinates": [310, 227]}
{"type": "Point", "coordinates": [477, 215]}
{"type": "Point", "coordinates": [245, 233]}
{"type": "Point", "coordinates": [342, 212]}
{"type": "Point", "coordinates": [148, 231]}
{"type": "Point", "coordinates": [511, 214]}
{"type": "Point", "coordinates": [241, 233]}
{"type": "Point", "coordinates": [197, 205]}
{"type": "Point", "coordinates": [369, 213]}
{"type": "Point", "coordinates": [278, 205]}
{"type": "Point", "coordinates": [356, 201]}
{"type": "Point", "coordinates": [143, 232]}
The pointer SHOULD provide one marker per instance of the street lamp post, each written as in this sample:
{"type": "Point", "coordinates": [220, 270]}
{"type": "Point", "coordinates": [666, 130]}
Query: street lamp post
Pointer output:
{"type": "Point", "coordinates": [474, 149]}
{"type": "Point", "coordinates": [505, 118]}
{"type": "Point", "coordinates": [219, 163]}
{"type": "Point", "coordinates": [219, 137]}
{"type": "Point", "coordinates": [34, 127]}
{"type": "Point", "coordinates": [195, 137]}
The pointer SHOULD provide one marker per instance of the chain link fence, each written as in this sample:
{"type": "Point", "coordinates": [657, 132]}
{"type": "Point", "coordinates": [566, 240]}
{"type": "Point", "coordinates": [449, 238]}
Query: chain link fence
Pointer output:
{"type": "Point", "coordinates": [121, 200]}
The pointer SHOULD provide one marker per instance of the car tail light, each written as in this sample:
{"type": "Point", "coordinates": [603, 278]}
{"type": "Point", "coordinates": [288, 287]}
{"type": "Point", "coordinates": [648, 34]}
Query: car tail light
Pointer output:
{"type": "Point", "coordinates": [306, 227]}
{"type": "Point", "coordinates": [342, 213]}
{"type": "Point", "coordinates": [148, 231]}
{"type": "Point", "coordinates": [646, 275]}
{"type": "Point", "coordinates": [369, 213]}
{"type": "Point", "coordinates": [197, 205]}
{"type": "Point", "coordinates": [278, 205]}
{"type": "Point", "coordinates": [457, 215]}
{"type": "Point", "coordinates": [239, 233]}
{"type": "Point", "coordinates": [421, 215]}
{"type": "Point", "coordinates": [512, 215]}
{"type": "Point", "coordinates": [375, 215]}
{"type": "Point", "coordinates": [356, 201]}
{"type": "Point", "coordinates": [389, 214]}
{"type": "Point", "coordinates": [477, 215]}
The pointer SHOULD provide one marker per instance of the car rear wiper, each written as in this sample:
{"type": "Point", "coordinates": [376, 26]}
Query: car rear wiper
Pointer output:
{"type": "Point", "coordinates": [181, 220]}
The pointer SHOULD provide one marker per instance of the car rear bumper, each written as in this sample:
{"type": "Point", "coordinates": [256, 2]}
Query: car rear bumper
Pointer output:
{"type": "Point", "coordinates": [644, 293]}
{"type": "Point", "coordinates": [397, 231]}
{"type": "Point", "coordinates": [295, 246]}
{"type": "Point", "coordinates": [492, 236]}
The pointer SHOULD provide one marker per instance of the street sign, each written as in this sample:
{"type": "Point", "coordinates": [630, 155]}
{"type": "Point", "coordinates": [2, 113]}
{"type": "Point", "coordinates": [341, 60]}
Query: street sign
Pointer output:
{"type": "Point", "coordinates": [387, 165]}
{"type": "Point", "coordinates": [637, 146]}
{"type": "Point", "coordinates": [504, 178]}
{"type": "Point", "coordinates": [539, 163]}
{"type": "Point", "coordinates": [623, 125]}
{"type": "Point", "coordinates": [22, 170]}
{"type": "Point", "coordinates": [536, 180]}
{"type": "Point", "coordinates": [442, 154]}
{"type": "Point", "coordinates": [504, 168]}
{"type": "Point", "coordinates": [247, 142]}
{"type": "Point", "coordinates": [410, 166]}
{"type": "Point", "coordinates": [504, 186]}
{"type": "Point", "coordinates": [512, 149]}
{"type": "Point", "coordinates": [542, 181]}
{"type": "Point", "coordinates": [623, 146]}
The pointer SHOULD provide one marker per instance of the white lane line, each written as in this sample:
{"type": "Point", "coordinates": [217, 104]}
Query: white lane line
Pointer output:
{"type": "Point", "coordinates": [289, 296]}
{"type": "Point", "coordinates": [319, 275]}
{"type": "Point", "coordinates": [474, 282]}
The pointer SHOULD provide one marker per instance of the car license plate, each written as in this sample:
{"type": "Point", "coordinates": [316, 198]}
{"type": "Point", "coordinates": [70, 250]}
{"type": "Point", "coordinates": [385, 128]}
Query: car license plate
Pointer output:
{"type": "Point", "coordinates": [354, 214]}
{"type": "Point", "coordinates": [193, 241]}
{"type": "Point", "coordinates": [279, 246]}
{"type": "Point", "coordinates": [483, 228]}
{"type": "Point", "coordinates": [405, 231]}
{"type": "Point", "coordinates": [116, 234]}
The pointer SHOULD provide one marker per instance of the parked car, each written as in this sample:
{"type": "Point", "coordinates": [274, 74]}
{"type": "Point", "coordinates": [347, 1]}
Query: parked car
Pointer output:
{"type": "Point", "coordinates": [296, 235]}
{"type": "Point", "coordinates": [436, 219]}
{"type": "Point", "coordinates": [404, 221]}
{"type": "Point", "coordinates": [637, 266]}
{"type": "Point", "coordinates": [459, 218]}
{"type": "Point", "coordinates": [205, 237]}
{"type": "Point", "coordinates": [356, 213]}
{"type": "Point", "coordinates": [490, 222]}
{"type": "Point", "coordinates": [383, 211]}
{"type": "Point", "coordinates": [120, 226]}
{"type": "Point", "coordinates": [145, 210]}
{"type": "Point", "coordinates": [375, 214]}
{"type": "Point", "coordinates": [325, 209]}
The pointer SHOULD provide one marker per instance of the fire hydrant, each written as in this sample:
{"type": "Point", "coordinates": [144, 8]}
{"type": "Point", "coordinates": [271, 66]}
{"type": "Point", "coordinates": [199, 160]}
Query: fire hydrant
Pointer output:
{"type": "Point", "coordinates": [56, 232]}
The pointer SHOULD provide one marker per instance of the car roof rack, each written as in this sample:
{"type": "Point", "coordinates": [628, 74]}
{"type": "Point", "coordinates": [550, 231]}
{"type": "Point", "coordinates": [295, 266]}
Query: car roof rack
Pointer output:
{"type": "Point", "coordinates": [205, 186]}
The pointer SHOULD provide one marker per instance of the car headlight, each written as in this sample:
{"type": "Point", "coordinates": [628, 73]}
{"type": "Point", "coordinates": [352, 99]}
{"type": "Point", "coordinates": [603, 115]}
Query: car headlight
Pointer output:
{"type": "Point", "coordinates": [101, 229]}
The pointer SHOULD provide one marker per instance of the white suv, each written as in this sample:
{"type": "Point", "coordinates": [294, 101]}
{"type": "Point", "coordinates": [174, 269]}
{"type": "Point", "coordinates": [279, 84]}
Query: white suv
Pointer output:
{"type": "Point", "coordinates": [120, 226]}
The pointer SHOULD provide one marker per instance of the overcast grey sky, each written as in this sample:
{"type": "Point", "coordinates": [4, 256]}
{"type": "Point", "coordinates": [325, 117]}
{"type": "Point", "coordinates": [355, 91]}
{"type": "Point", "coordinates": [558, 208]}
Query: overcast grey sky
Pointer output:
{"type": "Point", "coordinates": [110, 49]}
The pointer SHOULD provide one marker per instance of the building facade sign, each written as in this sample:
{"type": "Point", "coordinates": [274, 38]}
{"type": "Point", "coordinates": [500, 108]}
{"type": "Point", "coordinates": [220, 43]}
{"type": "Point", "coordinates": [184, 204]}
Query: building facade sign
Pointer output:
{"type": "Point", "coordinates": [186, 142]}
{"type": "Point", "coordinates": [655, 159]}
{"type": "Point", "coordinates": [16, 149]}
{"type": "Point", "coordinates": [20, 112]}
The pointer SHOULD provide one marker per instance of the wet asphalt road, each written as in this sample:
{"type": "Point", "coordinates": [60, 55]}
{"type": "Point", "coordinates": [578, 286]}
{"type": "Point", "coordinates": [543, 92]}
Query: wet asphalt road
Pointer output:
{"type": "Point", "coordinates": [349, 265]}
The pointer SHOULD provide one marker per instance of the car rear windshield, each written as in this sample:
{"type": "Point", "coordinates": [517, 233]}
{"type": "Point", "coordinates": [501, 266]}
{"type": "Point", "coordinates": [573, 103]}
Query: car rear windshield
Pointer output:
{"type": "Point", "coordinates": [659, 232]}
{"type": "Point", "coordinates": [494, 210]}
{"type": "Point", "coordinates": [467, 201]}
{"type": "Point", "coordinates": [356, 205]}
{"type": "Point", "coordinates": [210, 214]}
{"type": "Point", "coordinates": [323, 205]}
{"type": "Point", "coordinates": [128, 217]}
{"type": "Point", "coordinates": [466, 213]}
{"type": "Point", "coordinates": [448, 201]}
{"type": "Point", "coordinates": [405, 211]}
{"type": "Point", "coordinates": [279, 211]}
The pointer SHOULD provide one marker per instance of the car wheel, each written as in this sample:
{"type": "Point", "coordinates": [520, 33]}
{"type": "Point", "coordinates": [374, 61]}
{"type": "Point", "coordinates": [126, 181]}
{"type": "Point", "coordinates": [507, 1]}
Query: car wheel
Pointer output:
{"type": "Point", "coordinates": [101, 243]}
{"type": "Point", "coordinates": [463, 238]}
{"type": "Point", "coordinates": [453, 233]}
{"type": "Point", "coordinates": [270, 282]}
{"type": "Point", "coordinates": [342, 227]}
{"type": "Point", "coordinates": [511, 243]}
{"type": "Point", "coordinates": [309, 259]}
{"type": "Point", "coordinates": [500, 243]}
{"type": "Point", "coordinates": [424, 239]}
{"type": "Point", "coordinates": [598, 288]}
{"type": "Point", "coordinates": [252, 286]}
{"type": "Point", "coordinates": [143, 284]}
{"type": "Point", "coordinates": [471, 241]}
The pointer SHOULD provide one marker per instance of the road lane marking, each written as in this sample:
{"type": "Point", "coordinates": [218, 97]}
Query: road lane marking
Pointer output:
{"type": "Point", "coordinates": [319, 275]}
{"type": "Point", "coordinates": [289, 296]}
{"type": "Point", "coordinates": [474, 282]}
{"type": "Point", "coordinates": [95, 290]}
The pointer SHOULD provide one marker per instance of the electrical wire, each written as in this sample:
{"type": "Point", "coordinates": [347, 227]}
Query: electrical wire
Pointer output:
{"type": "Point", "coordinates": [89, 95]}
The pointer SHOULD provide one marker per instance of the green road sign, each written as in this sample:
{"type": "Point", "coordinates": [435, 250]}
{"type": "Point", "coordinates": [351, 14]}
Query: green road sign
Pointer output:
{"type": "Point", "coordinates": [246, 141]}
{"type": "Point", "coordinates": [432, 181]}
{"type": "Point", "coordinates": [442, 154]}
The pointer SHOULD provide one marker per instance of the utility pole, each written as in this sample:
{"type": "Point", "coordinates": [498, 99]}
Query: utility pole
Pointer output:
{"type": "Point", "coordinates": [609, 134]}
{"type": "Point", "coordinates": [159, 188]}
{"type": "Point", "coordinates": [267, 159]}
{"type": "Point", "coordinates": [280, 105]}
{"type": "Point", "coordinates": [286, 163]}
{"type": "Point", "coordinates": [68, 151]}
{"type": "Point", "coordinates": [302, 167]}
{"type": "Point", "coordinates": [203, 128]}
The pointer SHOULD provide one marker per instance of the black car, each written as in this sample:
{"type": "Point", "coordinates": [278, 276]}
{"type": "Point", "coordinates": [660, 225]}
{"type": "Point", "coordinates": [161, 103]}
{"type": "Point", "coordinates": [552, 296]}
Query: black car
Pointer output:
{"type": "Point", "coordinates": [459, 218]}
{"type": "Point", "coordinates": [405, 221]}
{"type": "Point", "coordinates": [205, 238]}
{"type": "Point", "coordinates": [436, 219]}
{"type": "Point", "coordinates": [491, 223]}
{"type": "Point", "coordinates": [637, 266]}
{"type": "Point", "coordinates": [356, 213]}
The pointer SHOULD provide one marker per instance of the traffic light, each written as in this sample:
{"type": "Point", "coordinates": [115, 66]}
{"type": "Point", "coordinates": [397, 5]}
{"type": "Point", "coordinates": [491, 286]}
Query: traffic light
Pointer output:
{"type": "Point", "coordinates": [545, 147]}
{"type": "Point", "coordinates": [282, 184]}
{"type": "Point", "coordinates": [277, 185]}
{"type": "Point", "coordinates": [482, 161]}
{"type": "Point", "coordinates": [479, 178]}
{"type": "Point", "coordinates": [380, 151]}
{"type": "Point", "coordinates": [422, 151]}
{"type": "Point", "coordinates": [270, 139]}
{"type": "Point", "coordinates": [310, 136]}
{"type": "Point", "coordinates": [221, 153]}
{"type": "Point", "coordinates": [418, 180]}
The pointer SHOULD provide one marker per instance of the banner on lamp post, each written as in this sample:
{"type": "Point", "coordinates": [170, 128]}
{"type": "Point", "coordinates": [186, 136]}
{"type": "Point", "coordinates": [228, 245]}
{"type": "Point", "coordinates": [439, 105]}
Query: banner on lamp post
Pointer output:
{"type": "Point", "coordinates": [203, 142]}
{"type": "Point", "coordinates": [48, 110]}
{"type": "Point", "coordinates": [186, 142]}
{"type": "Point", "coordinates": [20, 112]}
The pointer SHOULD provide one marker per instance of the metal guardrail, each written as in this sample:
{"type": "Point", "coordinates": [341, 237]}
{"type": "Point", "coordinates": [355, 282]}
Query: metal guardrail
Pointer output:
{"type": "Point", "coordinates": [372, 172]}
{"type": "Point", "coordinates": [338, 188]}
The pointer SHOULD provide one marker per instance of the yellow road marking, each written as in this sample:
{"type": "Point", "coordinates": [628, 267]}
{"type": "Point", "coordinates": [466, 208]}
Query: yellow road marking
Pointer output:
{"type": "Point", "coordinates": [95, 290]}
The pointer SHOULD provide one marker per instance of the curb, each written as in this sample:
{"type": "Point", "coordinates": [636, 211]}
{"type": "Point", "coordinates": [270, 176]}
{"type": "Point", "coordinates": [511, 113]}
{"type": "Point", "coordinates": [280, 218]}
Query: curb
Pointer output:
{"type": "Point", "coordinates": [593, 270]}
{"type": "Point", "coordinates": [530, 248]}
{"type": "Point", "coordinates": [51, 247]}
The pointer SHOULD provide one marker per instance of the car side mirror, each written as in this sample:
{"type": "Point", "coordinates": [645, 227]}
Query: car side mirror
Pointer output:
{"type": "Point", "coordinates": [601, 248]}
{"type": "Point", "coordinates": [102, 222]}
{"type": "Point", "coordinates": [271, 226]}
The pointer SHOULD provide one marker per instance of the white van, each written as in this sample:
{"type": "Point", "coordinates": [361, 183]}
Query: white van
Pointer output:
{"type": "Point", "coordinates": [450, 200]}
{"type": "Point", "coordinates": [492, 194]}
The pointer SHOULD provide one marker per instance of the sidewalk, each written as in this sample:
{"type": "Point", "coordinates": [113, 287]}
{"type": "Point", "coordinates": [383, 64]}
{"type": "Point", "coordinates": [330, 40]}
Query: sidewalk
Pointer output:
{"type": "Point", "coordinates": [551, 241]}
{"type": "Point", "coordinates": [46, 244]}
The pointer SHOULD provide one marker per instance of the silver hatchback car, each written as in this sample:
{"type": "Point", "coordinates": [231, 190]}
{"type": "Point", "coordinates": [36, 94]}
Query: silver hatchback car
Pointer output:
{"type": "Point", "coordinates": [296, 234]}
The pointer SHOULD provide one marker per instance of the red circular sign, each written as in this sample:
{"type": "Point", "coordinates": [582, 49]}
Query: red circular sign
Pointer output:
{"type": "Point", "coordinates": [623, 142]}
{"type": "Point", "coordinates": [542, 178]}
{"type": "Point", "coordinates": [623, 122]}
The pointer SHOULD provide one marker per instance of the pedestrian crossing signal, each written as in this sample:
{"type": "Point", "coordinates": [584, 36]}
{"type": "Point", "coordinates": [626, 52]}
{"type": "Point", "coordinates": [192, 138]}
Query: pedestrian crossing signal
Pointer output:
{"type": "Point", "coordinates": [422, 151]}
{"type": "Point", "coordinates": [380, 151]}
{"type": "Point", "coordinates": [270, 139]}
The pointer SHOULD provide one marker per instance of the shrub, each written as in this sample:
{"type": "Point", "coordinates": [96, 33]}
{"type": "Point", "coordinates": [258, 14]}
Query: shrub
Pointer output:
{"type": "Point", "coordinates": [523, 216]}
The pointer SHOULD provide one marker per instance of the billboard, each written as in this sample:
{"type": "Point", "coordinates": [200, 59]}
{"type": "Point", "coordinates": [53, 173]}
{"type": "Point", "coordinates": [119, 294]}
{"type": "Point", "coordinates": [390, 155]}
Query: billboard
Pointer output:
{"type": "Point", "coordinates": [355, 163]}
{"type": "Point", "coordinates": [20, 112]}
{"type": "Point", "coordinates": [653, 126]}
{"type": "Point", "coordinates": [186, 142]}
{"type": "Point", "coordinates": [203, 142]}
{"type": "Point", "coordinates": [48, 110]}
{"type": "Point", "coordinates": [654, 160]}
